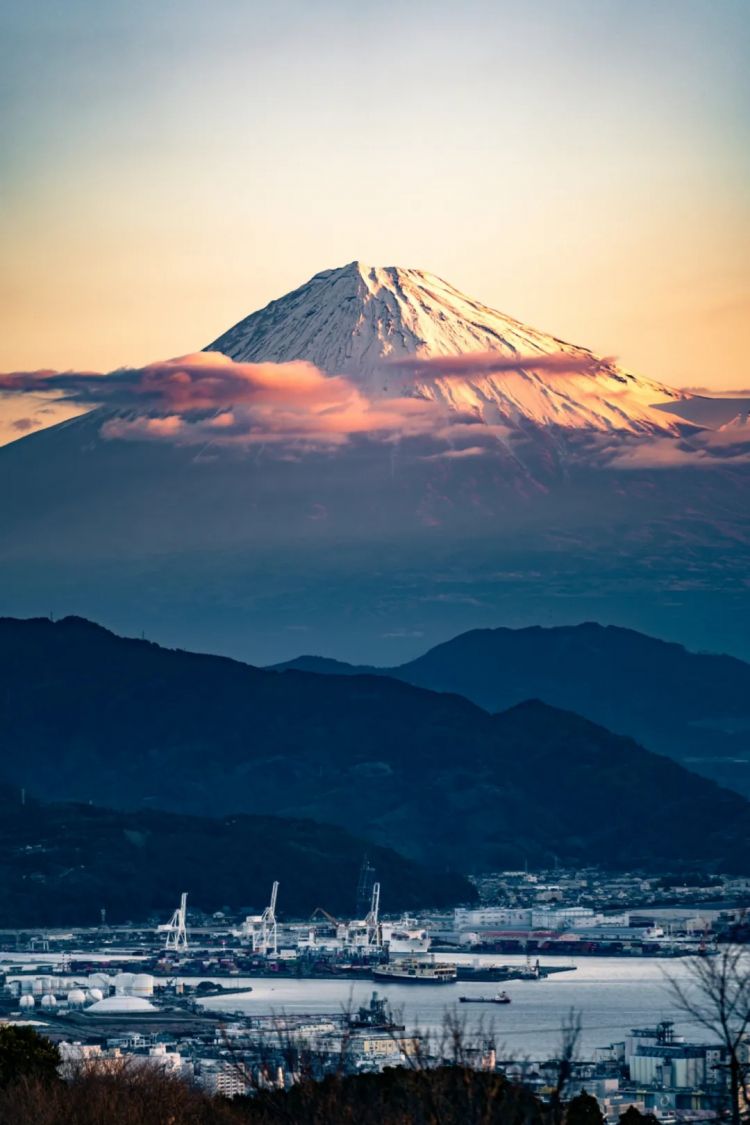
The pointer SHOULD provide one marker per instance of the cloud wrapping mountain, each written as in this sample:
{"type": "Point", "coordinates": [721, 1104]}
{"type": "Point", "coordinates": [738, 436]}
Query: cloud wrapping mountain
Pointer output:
{"type": "Point", "coordinates": [387, 354]}
{"type": "Point", "coordinates": [208, 398]}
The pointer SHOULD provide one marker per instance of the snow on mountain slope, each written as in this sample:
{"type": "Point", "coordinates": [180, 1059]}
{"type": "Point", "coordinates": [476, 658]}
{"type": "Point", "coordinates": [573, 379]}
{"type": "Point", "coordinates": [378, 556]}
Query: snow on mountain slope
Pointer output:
{"type": "Point", "coordinates": [365, 321]}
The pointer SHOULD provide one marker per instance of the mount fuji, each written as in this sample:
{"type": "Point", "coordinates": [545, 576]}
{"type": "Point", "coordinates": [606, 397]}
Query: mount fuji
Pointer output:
{"type": "Point", "coordinates": [367, 322]}
{"type": "Point", "coordinates": [405, 464]}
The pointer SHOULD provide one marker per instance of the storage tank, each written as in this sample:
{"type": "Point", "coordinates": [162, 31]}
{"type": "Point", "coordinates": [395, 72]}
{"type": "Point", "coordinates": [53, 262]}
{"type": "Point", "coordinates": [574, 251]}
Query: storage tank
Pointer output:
{"type": "Point", "coordinates": [102, 981]}
{"type": "Point", "coordinates": [27, 1001]}
{"type": "Point", "coordinates": [49, 1000]}
{"type": "Point", "coordinates": [122, 1005]}
{"type": "Point", "coordinates": [94, 994]}
{"type": "Point", "coordinates": [142, 985]}
{"type": "Point", "coordinates": [76, 998]}
{"type": "Point", "coordinates": [123, 983]}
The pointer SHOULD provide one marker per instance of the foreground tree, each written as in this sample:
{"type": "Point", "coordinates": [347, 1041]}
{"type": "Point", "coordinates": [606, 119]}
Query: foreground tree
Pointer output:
{"type": "Point", "coordinates": [143, 1095]}
{"type": "Point", "coordinates": [457, 1084]}
{"type": "Point", "coordinates": [715, 993]}
{"type": "Point", "coordinates": [583, 1109]}
{"type": "Point", "coordinates": [24, 1054]}
{"type": "Point", "coordinates": [570, 1034]}
{"type": "Point", "coordinates": [443, 1095]}
{"type": "Point", "coordinates": [130, 1095]}
{"type": "Point", "coordinates": [633, 1116]}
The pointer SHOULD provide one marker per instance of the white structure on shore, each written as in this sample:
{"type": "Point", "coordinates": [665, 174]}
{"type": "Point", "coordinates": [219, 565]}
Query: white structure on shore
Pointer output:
{"type": "Point", "coordinates": [262, 930]}
{"type": "Point", "coordinates": [176, 928]}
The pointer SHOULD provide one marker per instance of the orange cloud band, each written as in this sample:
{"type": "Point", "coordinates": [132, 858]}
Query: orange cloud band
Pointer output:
{"type": "Point", "coordinates": [210, 397]}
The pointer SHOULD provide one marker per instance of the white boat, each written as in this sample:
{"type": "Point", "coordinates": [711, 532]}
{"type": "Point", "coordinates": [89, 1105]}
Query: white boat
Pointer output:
{"type": "Point", "coordinates": [405, 970]}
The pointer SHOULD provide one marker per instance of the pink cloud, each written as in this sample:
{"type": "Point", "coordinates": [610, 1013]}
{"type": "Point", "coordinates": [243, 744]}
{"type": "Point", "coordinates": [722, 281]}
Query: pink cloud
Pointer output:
{"type": "Point", "coordinates": [655, 453]}
{"type": "Point", "coordinates": [491, 363]}
{"type": "Point", "coordinates": [208, 397]}
{"type": "Point", "coordinates": [457, 454]}
{"type": "Point", "coordinates": [170, 426]}
{"type": "Point", "coordinates": [705, 449]}
{"type": "Point", "coordinates": [209, 400]}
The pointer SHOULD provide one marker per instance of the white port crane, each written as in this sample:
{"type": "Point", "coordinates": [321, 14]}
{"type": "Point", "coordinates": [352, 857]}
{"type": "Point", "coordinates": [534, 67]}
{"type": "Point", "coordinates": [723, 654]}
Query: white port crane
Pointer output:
{"type": "Point", "coordinates": [265, 937]}
{"type": "Point", "coordinates": [261, 930]}
{"type": "Point", "coordinates": [372, 921]}
{"type": "Point", "coordinates": [176, 928]}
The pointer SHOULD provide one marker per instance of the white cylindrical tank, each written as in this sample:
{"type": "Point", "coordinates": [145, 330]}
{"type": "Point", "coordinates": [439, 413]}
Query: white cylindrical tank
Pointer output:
{"type": "Point", "coordinates": [123, 983]}
{"type": "Point", "coordinates": [49, 1000]}
{"type": "Point", "coordinates": [76, 998]}
{"type": "Point", "coordinates": [36, 986]}
{"type": "Point", "coordinates": [94, 994]}
{"type": "Point", "coordinates": [142, 985]}
{"type": "Point", "coordinates": [27, 1001]}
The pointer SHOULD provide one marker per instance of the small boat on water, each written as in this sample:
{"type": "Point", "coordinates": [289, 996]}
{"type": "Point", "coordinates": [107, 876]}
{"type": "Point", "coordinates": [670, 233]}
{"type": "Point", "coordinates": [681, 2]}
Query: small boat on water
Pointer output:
{"type": "Point", "coordinates": [499, 998]}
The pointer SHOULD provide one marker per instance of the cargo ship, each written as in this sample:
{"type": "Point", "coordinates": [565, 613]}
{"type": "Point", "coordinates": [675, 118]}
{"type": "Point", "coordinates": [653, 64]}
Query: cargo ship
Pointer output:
{"type": "Point", "coordinates": [406, 970]}
{"type": "Point", "coordinates": [499, 998]}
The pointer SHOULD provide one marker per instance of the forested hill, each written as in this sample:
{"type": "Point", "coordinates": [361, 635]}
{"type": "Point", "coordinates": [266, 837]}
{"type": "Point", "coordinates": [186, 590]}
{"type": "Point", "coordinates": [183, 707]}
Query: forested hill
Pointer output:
{"type": "Point", "coordinates": [87, 715]}
{"type": "Point", "coordinates": [61, 864]}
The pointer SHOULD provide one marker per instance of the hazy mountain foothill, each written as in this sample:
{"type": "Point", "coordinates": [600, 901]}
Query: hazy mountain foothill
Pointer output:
{"type": "Point", "coordinates": [694, 707]}
{"type": "Point", "coordinates": [61, 864]}
{"type": "Point", "coordinates": [89, 716]}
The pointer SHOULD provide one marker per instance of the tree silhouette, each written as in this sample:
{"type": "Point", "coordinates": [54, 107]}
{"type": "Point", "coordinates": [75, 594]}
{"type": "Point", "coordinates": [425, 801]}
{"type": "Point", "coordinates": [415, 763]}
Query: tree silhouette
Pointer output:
{"type": "Point", "coordinates": [583, 1109]}
{"type": "Point", "coordinates": [26, 1054]}
{"type": "Point", "coordinates": [633, 1116]}
{"type": "Point", "coordinates": [716, 994]}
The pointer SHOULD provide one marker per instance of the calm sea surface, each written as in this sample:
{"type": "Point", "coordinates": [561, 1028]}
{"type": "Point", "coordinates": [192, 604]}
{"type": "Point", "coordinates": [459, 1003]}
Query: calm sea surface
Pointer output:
{"type": "Point", "coordinates": [613, 995]}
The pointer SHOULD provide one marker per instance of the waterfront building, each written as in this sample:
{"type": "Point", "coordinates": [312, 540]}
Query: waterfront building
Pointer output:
{"type": "Point", "coordinates": [224, 1078]}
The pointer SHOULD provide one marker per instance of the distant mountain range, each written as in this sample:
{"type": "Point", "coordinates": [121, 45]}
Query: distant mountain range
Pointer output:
{"type": "Point", "coordinates": [60, 864]}
{"type": "Point", "coordinates": [694, 707]}
{"type": "Point", "coordinates": [87, 715]}
{"type": "Point", "coordinates": [518, 478]}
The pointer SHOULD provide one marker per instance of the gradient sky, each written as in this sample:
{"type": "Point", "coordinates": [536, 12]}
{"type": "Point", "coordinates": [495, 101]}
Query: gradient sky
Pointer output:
{"type": "Point", "coordinates": [579, 164]}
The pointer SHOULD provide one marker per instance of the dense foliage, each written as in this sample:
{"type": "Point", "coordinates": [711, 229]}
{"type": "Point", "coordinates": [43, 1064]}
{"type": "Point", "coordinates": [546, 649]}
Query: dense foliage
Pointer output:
{"type": "Point", "coordinates": [26, 1054]}
{"type": "Point", "coordinates": [448, 1095]}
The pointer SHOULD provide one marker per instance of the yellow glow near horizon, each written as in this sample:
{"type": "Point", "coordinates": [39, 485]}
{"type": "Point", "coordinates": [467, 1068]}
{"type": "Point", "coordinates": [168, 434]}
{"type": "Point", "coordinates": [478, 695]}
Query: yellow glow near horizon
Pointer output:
{"type": "Point", "coordinates": [581, 169]}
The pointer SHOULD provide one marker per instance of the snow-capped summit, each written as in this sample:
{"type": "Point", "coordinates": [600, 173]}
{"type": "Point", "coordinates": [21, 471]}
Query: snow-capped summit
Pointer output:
{"type": "Point", "coordinates": [348, 320]}
{"type": "Point", "coordinates": [364, 321]}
